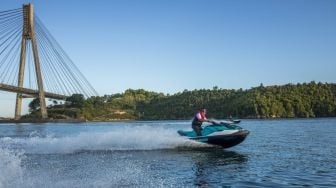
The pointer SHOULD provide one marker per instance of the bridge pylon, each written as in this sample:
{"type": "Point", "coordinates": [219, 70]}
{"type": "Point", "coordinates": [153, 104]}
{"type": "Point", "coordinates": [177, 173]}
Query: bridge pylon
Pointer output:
{"type": "Point", "coordinates": [28, 34]}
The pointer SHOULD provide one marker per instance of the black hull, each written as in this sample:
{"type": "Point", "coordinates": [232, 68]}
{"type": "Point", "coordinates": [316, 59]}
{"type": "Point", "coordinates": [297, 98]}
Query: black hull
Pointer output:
{"type": "Point", "coordinates": [236, 121]}
{"type": "Point", "coordinates": [228, 140]}
{"type": "Point", "coordinates": [224, 141]}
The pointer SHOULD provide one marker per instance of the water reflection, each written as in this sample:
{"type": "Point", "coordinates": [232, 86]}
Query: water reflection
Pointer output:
{"type": "Point", "coordinates": [19, 129]}
{"type": "Point", "coordinates": [215, 164]}
{"type": "Point", "coordinates": [27, 130]}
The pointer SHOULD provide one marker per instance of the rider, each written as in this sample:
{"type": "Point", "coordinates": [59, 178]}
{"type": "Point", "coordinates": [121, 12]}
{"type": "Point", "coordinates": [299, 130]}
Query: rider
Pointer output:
{"type": "Point", "coordinates": [199, 118]}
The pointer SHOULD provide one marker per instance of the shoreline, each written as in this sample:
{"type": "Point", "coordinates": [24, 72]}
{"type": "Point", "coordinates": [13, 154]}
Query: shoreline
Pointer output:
{"type": "Point", "coordinates": [41, 121]}
{"type": "Point", "coordinates": [3, 121]}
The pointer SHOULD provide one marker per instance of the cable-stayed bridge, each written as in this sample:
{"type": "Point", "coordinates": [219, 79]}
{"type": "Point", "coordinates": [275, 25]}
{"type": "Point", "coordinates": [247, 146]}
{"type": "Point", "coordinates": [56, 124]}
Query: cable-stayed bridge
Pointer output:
{"type": "Point", "coordinates": [33, 64]}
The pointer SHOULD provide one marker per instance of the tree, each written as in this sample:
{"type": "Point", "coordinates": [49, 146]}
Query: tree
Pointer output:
{"type": "Point", "coordinates": [34, 104]}
{"type": "Point", "coordinates": [300, 100]}
{"type": "Point", "coordinates": [76, 100]}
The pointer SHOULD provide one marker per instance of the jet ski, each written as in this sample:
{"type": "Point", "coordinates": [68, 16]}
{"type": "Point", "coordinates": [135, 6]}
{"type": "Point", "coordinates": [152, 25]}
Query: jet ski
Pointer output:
{"type": "Point", "coordinates": [230, 121]}
{"type": "Point", "coordinates": [235, 121]}
{"type": "Point", "coordinates": [219, 133]}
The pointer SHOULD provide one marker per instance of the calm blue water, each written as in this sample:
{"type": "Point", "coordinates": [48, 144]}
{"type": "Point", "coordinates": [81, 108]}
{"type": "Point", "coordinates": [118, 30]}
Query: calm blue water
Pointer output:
{"type": "Point", "coordinates": [277, 153]}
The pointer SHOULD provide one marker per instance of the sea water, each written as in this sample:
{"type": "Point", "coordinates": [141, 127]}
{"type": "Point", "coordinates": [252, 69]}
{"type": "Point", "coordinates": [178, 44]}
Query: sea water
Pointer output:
{"type": "Point", "coordinates": [279, 153]}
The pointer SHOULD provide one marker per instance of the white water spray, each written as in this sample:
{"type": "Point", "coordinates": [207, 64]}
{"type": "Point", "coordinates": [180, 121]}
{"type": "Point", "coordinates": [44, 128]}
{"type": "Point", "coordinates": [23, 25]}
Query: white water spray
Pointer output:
{"type": "Point", "coordinates": [123, 138]}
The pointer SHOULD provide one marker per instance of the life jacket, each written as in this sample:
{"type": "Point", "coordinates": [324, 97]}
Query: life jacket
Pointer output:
{"type": "Point", "coordinates": [196, 120]}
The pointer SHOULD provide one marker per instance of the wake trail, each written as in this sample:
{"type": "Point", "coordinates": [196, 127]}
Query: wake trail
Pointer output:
{"type": "Point", "coordinates": [122, 138]}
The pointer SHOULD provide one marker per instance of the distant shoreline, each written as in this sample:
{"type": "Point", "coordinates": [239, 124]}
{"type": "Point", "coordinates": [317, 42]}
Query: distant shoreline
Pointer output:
{"type": "Point", "coordinates": [3, 121]}
{"type": "Point", "coordinates": [42, 121]}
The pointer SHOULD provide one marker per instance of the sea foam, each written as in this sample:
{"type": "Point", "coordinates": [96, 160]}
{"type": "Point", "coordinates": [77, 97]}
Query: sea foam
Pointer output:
{"type": "Point", "coordinates": [125, 138]}
{"type": "Point", "coordinates": [11, 173]}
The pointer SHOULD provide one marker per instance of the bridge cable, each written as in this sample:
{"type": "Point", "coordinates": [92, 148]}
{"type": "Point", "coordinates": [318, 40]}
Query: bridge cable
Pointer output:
{"type": "Point", "coordinates": [65, 72]}
{"type": "Point", "coordinates": [15, 71]}
{"type": "Point", "coordinates": [49, 59]}
{"type": "Point", "coordinates": [12, 10]}
{"type": "Point", "coordinates": [60, 52]}
{"type": "Point", "coordinates": [47, 70]}
{"type": "Point", "coordinates": [10, 63]}
{"type": "Point", "coordinates": [12, 41]}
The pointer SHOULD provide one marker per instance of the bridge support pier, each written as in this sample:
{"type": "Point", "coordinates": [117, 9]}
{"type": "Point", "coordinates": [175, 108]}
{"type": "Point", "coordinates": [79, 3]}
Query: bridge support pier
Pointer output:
{"type": "Point", "coordinates": [28, 34]}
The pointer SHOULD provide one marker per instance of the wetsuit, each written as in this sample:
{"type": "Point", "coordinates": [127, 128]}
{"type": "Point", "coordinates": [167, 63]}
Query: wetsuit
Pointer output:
{"type": "Point", "coordinates": [197, 122]}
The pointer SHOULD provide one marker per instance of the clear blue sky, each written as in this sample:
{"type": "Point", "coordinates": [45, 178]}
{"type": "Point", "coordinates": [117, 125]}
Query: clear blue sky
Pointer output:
{"type": "Point", "coordinates": [172, 45]}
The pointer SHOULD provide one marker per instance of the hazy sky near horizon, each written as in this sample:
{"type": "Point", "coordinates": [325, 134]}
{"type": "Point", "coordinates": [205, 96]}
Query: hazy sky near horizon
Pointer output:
{"type": "Point", "coordinates": [171, 45]}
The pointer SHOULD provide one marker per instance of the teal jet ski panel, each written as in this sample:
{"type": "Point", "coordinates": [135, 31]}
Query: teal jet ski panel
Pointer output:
{"type": "Point", "coordinates": [209, 130]}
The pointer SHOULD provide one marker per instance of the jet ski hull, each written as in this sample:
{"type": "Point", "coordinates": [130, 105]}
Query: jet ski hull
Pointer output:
{"type": "Point", "coordinates": [224, 141]}
{"type": "Point", "coordinates": [220, 135]}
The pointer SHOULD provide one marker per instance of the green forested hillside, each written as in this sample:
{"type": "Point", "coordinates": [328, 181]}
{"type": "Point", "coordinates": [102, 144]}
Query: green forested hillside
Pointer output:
{"type": "Point", "coordinates": [301, 100]}
{"type": "Point", "coordinates": [287, 101]}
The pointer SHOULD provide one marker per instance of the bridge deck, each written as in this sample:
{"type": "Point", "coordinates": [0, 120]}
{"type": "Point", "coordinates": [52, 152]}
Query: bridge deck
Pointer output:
{"type": "Point", "coordinates": [30, 92]}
